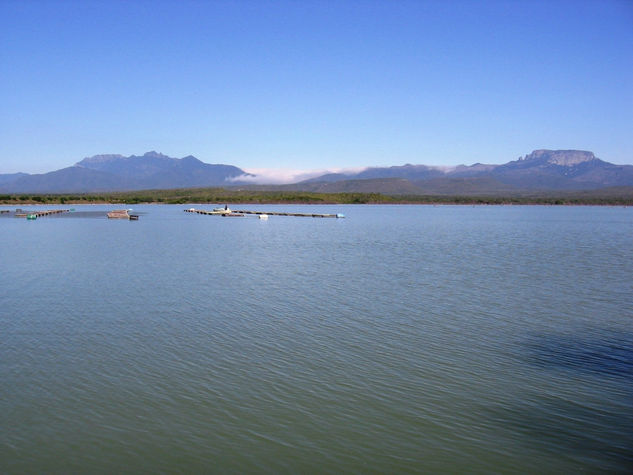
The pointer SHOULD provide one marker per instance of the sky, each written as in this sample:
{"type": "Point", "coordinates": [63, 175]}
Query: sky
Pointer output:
{"type": "Point", "coordinates": [289, 86]}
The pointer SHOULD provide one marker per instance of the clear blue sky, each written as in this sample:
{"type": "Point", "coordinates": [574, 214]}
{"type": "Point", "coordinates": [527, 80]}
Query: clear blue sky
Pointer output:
{"type": "Point", "coordinates": [314, 84]}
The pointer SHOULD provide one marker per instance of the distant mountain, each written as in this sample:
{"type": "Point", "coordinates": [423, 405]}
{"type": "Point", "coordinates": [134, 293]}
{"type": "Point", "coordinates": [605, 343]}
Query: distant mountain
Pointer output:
{"type": "Point", "coordinates": [9, 177]}
{"type": "Point", "coordinates": [540, 170]}
{"type": "Point", "coordinates": [477, 169]}
{"type": "Point", "coordinates": [155, 170]}
{"type": "Point", "coordinates": [387, 186]}
{"type": "Point", "coordinates": [563, 169]}
{"type": "Point", "coordinates": [408, 172]}
{"type": "Point", "coordinates": [119, 173]}
{"type": "Point", "coordinates": [467, 186]}
{"type": "Point", "coordinates": [71, 179]}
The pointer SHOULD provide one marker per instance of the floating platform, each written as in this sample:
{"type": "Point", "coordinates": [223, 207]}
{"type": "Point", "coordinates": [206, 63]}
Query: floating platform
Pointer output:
{"type": "Point", "coordinates": [301, 215]}
{"type": "Point", "coordinates": [222, 211]}
{"type": "Point", "coordinates": [243, 212]}
{"type": "Point", "coordinates": [51, 211]}
{"type": "Point", "coordinates": [36, 214]}
{"type": "Point", "coordinates": [122, 214]}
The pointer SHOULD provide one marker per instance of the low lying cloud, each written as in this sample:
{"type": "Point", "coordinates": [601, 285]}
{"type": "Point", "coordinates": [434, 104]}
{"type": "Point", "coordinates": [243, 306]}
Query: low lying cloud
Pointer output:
{"type": "Point", "coordinates": [284, 176]}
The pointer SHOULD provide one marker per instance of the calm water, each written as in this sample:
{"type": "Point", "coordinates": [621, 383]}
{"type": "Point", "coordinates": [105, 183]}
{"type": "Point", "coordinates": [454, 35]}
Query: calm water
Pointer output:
{"type": "Point", "coordinates": [400, 339]}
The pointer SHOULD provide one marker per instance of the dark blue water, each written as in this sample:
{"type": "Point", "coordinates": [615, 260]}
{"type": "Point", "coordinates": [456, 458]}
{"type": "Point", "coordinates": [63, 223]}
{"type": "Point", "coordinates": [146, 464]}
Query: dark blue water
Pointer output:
{"type": "Point", "coordinates": [399, 339]}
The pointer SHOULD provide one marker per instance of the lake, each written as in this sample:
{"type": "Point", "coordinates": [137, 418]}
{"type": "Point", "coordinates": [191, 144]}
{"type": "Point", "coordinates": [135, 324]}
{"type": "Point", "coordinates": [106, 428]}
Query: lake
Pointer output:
{"type": "Point", "coordinates": [399, 339]}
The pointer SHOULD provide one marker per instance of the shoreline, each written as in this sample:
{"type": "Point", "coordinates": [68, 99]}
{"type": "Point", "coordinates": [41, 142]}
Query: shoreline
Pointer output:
{"type": "Point", "coordinates": [459, 202]}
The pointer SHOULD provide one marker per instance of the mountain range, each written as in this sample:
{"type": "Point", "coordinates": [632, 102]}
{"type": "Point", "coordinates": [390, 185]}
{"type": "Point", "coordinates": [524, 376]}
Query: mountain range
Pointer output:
{"type": "Point", "coordinates": [119, 173]}
{"type": "Point", "coordinates": [541, 170]}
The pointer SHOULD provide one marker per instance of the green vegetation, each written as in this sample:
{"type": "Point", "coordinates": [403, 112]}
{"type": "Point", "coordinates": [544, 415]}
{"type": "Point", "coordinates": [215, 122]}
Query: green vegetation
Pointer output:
{"type": "Point", "coordinates": [200, 195]}
{"type": "Point", "coordinates": [623, 197]}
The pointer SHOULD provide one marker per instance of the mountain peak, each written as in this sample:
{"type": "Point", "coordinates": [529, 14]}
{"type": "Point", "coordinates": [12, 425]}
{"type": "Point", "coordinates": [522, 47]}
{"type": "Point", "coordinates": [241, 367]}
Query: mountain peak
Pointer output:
{"type": "Point", "coordinates": [189, 158]}
{"type": "Point", "coordinates": [154, 154]}
{"type": "Point", "coordinates": [563, 158]}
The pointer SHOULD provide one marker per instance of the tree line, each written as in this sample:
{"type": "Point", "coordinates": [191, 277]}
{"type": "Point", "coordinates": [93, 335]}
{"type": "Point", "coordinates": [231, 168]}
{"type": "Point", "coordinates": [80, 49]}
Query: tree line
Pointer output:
{"type": "Point", "coordinates": [221, 195]}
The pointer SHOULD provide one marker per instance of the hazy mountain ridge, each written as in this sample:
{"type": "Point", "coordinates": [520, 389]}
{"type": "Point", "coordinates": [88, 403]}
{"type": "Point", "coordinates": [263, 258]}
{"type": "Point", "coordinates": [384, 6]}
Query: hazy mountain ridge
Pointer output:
{"type": "Point", "coordinates": [70, 179]}
{"type": "Point", "coordinates": [540, 170]}
{"type": "Point", "coordinates": [120, 173]}
{"type": "Point", "coordinates": [9, 177]}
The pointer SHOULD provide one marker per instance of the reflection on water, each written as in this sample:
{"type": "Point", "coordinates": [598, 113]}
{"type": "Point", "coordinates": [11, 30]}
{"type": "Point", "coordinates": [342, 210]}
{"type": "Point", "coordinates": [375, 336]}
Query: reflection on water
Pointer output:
{"type": "Point", "coordinates": [605, 354]}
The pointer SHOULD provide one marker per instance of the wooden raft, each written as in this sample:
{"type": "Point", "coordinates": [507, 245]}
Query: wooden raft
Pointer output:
{"type": "Point", "coordinates": [122, 214]}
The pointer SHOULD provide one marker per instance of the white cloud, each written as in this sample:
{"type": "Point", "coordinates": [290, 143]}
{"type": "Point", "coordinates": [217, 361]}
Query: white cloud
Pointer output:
{"type": "Point", "coordinates": [282, 176]}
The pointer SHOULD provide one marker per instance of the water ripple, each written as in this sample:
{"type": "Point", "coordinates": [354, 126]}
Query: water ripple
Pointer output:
{"type": "Point", "coordinates": [402, 339]}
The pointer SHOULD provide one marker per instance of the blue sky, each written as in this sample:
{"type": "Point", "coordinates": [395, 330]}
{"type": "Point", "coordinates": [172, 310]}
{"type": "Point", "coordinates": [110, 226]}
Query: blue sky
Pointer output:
{"type": "Point", "coordinates": [314, 84]}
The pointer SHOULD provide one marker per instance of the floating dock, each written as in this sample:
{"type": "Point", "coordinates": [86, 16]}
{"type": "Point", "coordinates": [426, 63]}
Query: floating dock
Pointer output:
{"type": "Point", "coordinates": [51, 211]}
{"type": "Point", "coordinates": [25, 214]}
{"type": "Point", "coordinates": [122, 214]}
{"type": "Point", "coordinates": [237, 212]}
{"type": "Point", "coordinates": [204, 211]}
{"type": "Point", "coordinates": [302, 215]}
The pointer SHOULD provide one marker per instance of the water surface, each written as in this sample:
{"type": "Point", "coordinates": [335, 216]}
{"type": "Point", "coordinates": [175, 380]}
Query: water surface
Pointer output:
{"type": "Point", "coordinates": [399, 339]}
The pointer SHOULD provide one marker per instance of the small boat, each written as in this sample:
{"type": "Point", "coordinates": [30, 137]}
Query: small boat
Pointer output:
{"type": "Point", "coordinates": [31, 216]}
{"type": "Point", "coordinates": [263, 216]}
